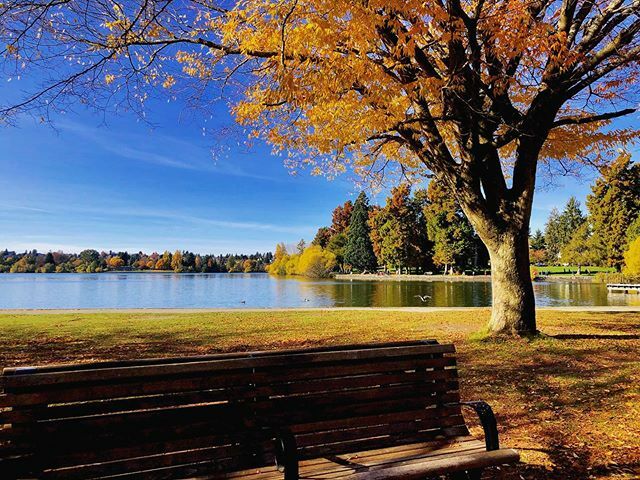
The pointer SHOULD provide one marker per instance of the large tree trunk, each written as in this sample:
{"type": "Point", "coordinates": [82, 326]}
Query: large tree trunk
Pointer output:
{"type": "Point", "coordinates": [513, 310]}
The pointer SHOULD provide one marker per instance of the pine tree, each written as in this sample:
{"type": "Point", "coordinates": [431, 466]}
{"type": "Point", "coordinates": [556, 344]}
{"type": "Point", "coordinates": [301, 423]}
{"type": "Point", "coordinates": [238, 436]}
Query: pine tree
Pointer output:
{"type": "Point", "coordinates": [536, 241]}
{"type": "Point", "coordinates": [358, 251]}
{"type": "Point", "coordinates": [613, 205]}
{"type": "Point", "coordinates": [570, 220]}
{"type": "Point", "coordinates": [553, 236]}
{"type": "Point", "coordinates": [561, 227]}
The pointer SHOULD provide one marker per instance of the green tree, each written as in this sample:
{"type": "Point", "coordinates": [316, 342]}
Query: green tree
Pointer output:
{"type": "Point", "coordinates": [553, 236]}
{"type": "Point", "coordinates": [89, 256]}
{"type": "Point", "coordinates": [336, 246]}
{"type": "Point", "coordinates": [447, 228]}
{"type": "Point", "coordinates": [537, 241]}
{"type": "Point", "coordinates": [583, 248]}
{"type": "Point", "coordinates": [358, 252]}
{"type": "Point", "coordinates": [49, 258]}
{"type": "Point", "coordinates": [571, 218]}
{"type": "Point", "coordinates": [560, 228]}
{"type": "Point", "coordinates": [613, 205]}
{"type": "Point", "coordinates": [400, 231]}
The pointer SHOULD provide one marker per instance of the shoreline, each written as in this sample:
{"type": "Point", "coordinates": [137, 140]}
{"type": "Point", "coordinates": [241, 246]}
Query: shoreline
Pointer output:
{"type": "Point", "coordinates": [585, 308]}
{"type": "Point", "coordinates": [411, 278]}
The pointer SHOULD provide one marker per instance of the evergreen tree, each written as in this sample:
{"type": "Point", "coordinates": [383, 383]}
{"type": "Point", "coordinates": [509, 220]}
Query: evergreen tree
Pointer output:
{"type": "Point", "coordinates": [561, 227]}
{"type": "Point", "coordinates": [358, 250]}
{"type": "Point", "coordinates": [552, 236]}
{"type": "Point", "coordinates": [536, 241]}
{"type": "Point", "coordinates": [570, 220]}
{"type": "Point", "coordinates": [49, 258]}
{"type": "Point", "coordinates": [613, 205]}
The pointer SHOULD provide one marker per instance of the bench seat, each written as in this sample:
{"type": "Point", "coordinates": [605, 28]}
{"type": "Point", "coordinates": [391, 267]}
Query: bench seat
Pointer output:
{"type": "Point", "coordinates": [404, 461]}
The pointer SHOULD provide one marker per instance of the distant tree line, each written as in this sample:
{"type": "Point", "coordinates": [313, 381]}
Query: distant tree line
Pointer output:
{"type": "Point", "coordinates": [426, 231]}
{"type": "Point", "coordinates": [92, 261]}
{"type": "Point", "coordinates": [606, 235]}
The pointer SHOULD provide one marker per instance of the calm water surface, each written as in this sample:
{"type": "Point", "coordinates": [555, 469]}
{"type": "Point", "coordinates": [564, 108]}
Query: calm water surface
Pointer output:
{"type": "Point", "coordinates": [169, 290]}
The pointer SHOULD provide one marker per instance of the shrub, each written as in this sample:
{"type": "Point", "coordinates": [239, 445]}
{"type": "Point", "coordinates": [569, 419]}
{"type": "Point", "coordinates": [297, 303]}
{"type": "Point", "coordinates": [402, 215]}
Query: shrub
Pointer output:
{"type": "Point", "coordinates": [314, 262]}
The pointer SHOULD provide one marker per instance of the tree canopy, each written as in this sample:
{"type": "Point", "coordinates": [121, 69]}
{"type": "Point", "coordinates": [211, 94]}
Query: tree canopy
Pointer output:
{"type": "Point", "coordinates": [614, 204]}
{"type": "Point", "coordinates": [447, 227]}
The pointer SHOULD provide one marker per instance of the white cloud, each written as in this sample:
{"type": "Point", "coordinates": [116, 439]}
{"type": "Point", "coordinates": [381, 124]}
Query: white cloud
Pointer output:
{"type": "Point", "coordinates": [151, 149]}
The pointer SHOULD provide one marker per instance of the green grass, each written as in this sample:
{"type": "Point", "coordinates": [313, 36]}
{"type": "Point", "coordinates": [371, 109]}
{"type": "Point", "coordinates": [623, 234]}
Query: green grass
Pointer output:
{"type": "Point", "coordinates": [572, 269]}
{"type": "Point", "coordinates": [569, 400]}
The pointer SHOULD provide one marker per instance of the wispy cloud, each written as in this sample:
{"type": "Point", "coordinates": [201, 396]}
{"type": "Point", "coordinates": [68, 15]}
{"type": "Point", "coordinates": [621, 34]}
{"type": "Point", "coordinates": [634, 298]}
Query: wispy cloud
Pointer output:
{"type": "Point", "coordinates": [22, 208]}
{"type": "Point", "coordinates": [159, 149]}
{"type": "Point", "coordinates": [175, 217]}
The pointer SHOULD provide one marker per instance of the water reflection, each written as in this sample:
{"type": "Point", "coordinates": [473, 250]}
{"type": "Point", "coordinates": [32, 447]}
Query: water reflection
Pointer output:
{"type": "Point", "coordinates": [168, 290]}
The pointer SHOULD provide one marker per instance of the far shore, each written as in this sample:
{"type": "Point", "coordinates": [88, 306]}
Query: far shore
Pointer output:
{"type": "Point", "coordinates": [373, 277]}
{"type": "Point", "coordinates": [412, 278]}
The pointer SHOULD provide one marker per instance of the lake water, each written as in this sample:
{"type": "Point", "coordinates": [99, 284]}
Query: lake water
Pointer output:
{"type": "Point", "coordinates": [217, 290]}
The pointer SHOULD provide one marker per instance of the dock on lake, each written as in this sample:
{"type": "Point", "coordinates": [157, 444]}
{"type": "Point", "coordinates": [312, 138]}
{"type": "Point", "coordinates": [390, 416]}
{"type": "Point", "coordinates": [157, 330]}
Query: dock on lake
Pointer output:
{"type": "Point", "coordinates": [624, 287]}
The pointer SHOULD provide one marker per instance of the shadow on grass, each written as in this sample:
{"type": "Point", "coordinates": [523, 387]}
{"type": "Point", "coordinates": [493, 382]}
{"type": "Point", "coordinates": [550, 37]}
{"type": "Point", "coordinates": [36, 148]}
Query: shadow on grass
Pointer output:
{"type": "Point", "coordinates": [595, 336]}
{"type": "Point", "coordinates": [565, 401]}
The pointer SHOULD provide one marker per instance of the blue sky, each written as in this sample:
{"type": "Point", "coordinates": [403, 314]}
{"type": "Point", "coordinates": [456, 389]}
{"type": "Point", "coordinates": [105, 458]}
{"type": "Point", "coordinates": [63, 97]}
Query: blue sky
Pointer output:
{"type": "Point", "coordinates": [120, 184]}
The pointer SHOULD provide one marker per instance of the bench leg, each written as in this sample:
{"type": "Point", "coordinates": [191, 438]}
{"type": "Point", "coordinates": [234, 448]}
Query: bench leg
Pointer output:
{"type": "Point", "coordinates": [474, 474]}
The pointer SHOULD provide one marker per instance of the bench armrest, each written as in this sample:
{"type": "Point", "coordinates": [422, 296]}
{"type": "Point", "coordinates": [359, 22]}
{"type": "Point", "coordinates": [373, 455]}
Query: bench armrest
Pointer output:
{"type": "Point", "coordinates": [287, 454]}
{"type": "Point", "coordinates": [488, 421]}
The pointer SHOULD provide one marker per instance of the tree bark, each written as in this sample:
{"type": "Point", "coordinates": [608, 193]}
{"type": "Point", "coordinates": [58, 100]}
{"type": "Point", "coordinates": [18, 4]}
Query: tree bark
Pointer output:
{"type": "Point", "coordinates": [513, 303]}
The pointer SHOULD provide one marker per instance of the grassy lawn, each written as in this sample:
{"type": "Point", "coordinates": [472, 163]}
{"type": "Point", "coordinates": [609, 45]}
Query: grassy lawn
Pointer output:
{"type": "Point", "coordinates": [569, 401]}
{"type": "Point", "coordinates": [560, 270]}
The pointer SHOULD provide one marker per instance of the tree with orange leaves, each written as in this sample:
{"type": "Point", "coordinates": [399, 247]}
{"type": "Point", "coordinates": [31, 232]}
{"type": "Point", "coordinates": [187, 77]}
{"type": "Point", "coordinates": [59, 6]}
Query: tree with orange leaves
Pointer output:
{"type": "Point", "coordinates": [478, 94]}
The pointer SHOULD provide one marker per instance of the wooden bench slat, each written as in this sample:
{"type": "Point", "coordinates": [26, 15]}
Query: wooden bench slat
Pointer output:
{"type": "Point", "coordinates": [102, 431]}
{"type": "Point", "coordinates": [7, 371]}
{"type": "Point", "coordinates": [19, 380]}
{"type": "Point", "coordinates": [375, 459]}
{"type": "Point", "coordinates": [102, 392]}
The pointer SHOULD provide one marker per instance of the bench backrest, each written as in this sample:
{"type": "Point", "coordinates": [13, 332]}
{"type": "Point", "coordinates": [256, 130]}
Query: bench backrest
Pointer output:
{"type": "Point", "coordinates": [170, 418]}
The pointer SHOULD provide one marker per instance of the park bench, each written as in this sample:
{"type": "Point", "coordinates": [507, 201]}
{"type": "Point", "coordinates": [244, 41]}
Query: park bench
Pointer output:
{"type": "Point", "coordinates": [356, 412]}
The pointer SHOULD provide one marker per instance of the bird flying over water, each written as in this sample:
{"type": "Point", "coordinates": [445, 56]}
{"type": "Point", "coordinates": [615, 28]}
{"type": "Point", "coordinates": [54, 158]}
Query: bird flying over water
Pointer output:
{"type": "Point", "coordinates": [423, 298]}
